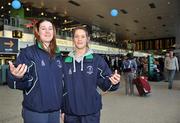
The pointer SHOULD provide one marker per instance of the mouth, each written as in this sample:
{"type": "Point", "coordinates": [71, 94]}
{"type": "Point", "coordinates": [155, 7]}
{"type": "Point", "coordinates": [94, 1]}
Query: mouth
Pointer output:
{"type": "Point", "coordinates": [79, 43]}
{"type": "Point", "coordinates": [47, 36]}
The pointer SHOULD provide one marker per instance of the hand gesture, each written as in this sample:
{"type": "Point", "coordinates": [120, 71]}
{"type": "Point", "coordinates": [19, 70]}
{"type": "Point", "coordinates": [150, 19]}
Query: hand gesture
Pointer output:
{"type": "Point", "coordinates": [18, 71]}
{"type": "Point", "coordinates": [115, 78]}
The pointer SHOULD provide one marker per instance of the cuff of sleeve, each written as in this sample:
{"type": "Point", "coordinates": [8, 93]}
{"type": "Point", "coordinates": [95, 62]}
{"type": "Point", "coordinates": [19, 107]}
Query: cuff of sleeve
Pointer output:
{"type": "Point", "coordinates": [25, 77]}
{"type": "Point", "coordinates": [114, 87]}
{"type": "Point", "coordinates": [19, 80]}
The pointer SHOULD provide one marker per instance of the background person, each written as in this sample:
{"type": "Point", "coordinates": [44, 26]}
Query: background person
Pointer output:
{"type": "Point", "coordinates": [171, 65]}
{"type": "Point", "coordinates": [129, 69]}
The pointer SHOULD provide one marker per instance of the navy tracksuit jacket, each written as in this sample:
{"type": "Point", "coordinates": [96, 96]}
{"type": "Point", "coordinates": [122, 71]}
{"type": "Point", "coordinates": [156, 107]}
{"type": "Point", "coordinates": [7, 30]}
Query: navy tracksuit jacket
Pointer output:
{"type": "Point", "coordinates": [81, 96]}
{"type": "Point", "coordinates": [42, 83]}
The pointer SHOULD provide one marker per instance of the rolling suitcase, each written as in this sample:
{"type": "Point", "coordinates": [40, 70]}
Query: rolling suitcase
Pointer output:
{"type": "Point", "coordinates": [142, 85]}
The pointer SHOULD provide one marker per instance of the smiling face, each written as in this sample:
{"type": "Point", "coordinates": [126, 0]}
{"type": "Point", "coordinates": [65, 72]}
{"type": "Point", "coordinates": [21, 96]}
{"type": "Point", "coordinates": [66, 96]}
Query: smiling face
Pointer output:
{"type": "Point", "coordinates": [80, 39]}
{"type": "Point", "coordinates": [46, 32]}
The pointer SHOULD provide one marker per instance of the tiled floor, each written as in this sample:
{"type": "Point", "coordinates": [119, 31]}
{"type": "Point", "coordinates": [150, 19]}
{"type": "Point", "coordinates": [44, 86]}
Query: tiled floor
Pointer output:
{"type": "Point", "coordinates": [162, 106]}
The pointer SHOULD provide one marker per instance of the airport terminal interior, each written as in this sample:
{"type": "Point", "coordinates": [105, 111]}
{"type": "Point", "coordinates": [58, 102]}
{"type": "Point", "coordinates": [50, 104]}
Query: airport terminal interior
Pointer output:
{"type": "Point", "coordinates": [146, 29]}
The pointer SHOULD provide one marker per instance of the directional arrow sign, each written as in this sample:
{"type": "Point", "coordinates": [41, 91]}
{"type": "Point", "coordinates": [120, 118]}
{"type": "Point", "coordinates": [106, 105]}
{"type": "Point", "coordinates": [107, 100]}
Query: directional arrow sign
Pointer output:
{"type": "Point", "coordinates": [8, 45]}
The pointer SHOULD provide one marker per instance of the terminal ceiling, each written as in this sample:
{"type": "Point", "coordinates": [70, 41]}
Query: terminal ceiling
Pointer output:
{"type": "Point", "coordinates": [137, 19]}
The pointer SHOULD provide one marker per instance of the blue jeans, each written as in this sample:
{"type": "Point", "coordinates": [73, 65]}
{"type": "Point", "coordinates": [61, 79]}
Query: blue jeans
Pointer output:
{"type": "Point", "coordinates": [35, 117]}
{"type": "Point", "coordinates": [129, 76]}
{"type": "Point", "coordinates": [92, 118]}
{"type": "Point", "coordinates": [171, 74]}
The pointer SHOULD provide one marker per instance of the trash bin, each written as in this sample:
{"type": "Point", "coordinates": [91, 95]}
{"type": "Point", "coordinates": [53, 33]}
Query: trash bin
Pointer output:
{"type": "Point", "coordinates": [4, 73]}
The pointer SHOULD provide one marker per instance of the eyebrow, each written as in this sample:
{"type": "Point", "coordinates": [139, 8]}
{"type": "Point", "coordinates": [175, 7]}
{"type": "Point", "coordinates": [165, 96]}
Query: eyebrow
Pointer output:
{"type": "Point", "coordinates": [45, 26]}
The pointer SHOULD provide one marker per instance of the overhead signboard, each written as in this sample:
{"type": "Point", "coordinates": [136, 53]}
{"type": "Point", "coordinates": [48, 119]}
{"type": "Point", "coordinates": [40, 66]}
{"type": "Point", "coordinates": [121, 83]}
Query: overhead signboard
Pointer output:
{"type": "Point", "coordinates": [8, 45]}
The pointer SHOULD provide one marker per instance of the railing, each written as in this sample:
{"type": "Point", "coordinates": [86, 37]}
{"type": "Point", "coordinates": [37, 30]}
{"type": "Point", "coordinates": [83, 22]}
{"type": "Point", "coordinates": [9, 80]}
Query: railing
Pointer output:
{"type": "Point", "coordinates": [21, 24]}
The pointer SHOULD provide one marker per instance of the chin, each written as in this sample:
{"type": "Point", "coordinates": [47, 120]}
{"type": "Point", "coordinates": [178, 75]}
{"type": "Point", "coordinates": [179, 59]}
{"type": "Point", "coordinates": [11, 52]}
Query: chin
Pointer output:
{"type": "Point", "coordinates": [46, 41]}
{"type": "Point", "coordinates": [80, 48]}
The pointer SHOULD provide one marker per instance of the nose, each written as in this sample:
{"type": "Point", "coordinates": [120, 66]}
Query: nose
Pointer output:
{"type": "Point", "coordinates": [79, 38]}
{"type": "Point", "coordinates": [47, 31]}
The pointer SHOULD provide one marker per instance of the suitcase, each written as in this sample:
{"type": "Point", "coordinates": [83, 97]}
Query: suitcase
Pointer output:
{"type": "Point", "coordinates": [142, 85]}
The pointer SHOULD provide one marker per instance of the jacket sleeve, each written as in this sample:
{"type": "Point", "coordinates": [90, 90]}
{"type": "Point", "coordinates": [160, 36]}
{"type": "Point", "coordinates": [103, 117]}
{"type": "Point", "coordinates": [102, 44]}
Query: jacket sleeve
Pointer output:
{"type": "Point", "coordinates": [135, 65]}
{"type": "Point", "coordinates": [104, 73]}
{"type": "Point", "coordinates": [176, 63]}
{"type": "Point", "coordinates": [26, 82]}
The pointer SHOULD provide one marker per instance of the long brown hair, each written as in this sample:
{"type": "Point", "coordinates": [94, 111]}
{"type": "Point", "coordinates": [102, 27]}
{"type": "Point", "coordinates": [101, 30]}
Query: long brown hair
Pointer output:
{"type": "Point", "coordinates": [52, 45]}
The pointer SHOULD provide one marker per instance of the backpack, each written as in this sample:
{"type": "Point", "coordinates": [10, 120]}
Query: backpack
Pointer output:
{"type": "Point", "coordinates": [127, 66]}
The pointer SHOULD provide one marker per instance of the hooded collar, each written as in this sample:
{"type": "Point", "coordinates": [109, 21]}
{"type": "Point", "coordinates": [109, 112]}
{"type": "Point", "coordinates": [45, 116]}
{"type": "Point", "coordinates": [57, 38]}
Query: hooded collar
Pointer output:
{"type": "Point", "coordinates": [72, 58]}
{"type": "Point", "coordinates": [72, 54]}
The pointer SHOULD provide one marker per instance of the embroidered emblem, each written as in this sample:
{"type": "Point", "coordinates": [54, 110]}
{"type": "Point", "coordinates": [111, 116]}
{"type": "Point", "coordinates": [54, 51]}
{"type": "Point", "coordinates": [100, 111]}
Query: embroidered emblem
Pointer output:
{"type": "Point", "coordinates": [70, 71]}
{"type": "Point", "coordinates": [89, 70]}
{"type": "Point", "coordinates": [59, 63]}
{"type": "Point", "coordinates": [43, 63]}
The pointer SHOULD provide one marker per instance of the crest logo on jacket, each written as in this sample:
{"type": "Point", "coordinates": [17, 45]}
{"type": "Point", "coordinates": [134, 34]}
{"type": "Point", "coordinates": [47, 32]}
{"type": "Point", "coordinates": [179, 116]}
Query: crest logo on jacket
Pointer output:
{"type": "Point", "coordinates": [43, 63]}
{"type": "Point", "coordinates": [70, 71]}
{"type": "Point", "coordinates": [89, 70]}
{"type": "Point", "coordinates": [59, 63]}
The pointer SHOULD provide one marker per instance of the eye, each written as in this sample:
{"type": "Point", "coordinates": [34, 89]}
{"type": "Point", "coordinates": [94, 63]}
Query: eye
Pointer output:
{"type": "Point", "coordinates": [50, 28]}
{"type": "Point", "coordinates": [83, 36]}
{"type": "Point", "coordinates": [42, 28]}
{"type": "Point", "coordinates": [76, 36]}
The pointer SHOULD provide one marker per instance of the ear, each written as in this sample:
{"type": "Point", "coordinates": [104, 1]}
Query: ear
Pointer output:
{"type": "Point", "coordinates": [87, 42]}
{"type": "Point", "coordinates": [88, 39]}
